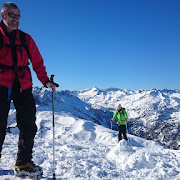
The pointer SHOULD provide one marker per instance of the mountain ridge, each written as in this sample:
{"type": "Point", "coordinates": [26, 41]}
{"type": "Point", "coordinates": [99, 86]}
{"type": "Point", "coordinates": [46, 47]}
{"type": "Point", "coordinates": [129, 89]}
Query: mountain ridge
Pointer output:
{"type": "Point", "coordinates": [153, 114]}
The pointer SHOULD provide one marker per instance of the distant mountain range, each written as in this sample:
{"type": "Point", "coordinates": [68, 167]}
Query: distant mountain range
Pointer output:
{"type": "Point", "coordinates": [153, 114]}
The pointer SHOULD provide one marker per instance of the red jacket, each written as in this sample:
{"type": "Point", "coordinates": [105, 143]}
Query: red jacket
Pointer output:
{"type": "Point", "coordinates": [24, 76]}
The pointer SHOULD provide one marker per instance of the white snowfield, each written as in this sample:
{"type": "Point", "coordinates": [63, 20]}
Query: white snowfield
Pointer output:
{"type": "Point", "coordinates": [153, 114]}
{"type": "Point", "coordinates": [85, 150]}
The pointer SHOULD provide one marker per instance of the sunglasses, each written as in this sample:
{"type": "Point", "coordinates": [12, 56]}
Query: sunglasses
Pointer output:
{"type": "Point", "coordinates": [12, 15]}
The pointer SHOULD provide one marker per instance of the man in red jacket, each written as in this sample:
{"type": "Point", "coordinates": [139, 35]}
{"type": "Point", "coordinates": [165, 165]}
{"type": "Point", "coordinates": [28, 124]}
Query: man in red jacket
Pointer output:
{"type": "Point", "coordinates": [16, 85]}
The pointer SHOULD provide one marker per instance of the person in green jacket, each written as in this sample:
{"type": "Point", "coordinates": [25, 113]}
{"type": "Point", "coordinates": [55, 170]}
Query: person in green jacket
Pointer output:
{"type": "Point", "coordinates": [122, 120]}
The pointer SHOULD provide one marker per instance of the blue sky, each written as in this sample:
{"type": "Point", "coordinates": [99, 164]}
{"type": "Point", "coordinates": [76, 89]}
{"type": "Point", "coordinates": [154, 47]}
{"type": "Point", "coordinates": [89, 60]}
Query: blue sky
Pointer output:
{"type": "Point", "coordinates": [133, 44]}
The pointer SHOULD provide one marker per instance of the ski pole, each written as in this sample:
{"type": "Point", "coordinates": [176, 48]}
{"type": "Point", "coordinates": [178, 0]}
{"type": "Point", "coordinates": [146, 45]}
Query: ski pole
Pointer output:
{"type": "Point", "coordinates": [127, 131]}
{"type": "Point", "coordinates": [126, 128]}
{"type": "Point", "coordinates": [52, 80]}
{"type": "Point", "coordinates": [111, 134]}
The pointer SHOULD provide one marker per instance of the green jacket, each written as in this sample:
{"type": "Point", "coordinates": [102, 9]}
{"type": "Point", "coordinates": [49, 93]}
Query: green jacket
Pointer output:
{"type": "Point", "coordinates": [122, 115]}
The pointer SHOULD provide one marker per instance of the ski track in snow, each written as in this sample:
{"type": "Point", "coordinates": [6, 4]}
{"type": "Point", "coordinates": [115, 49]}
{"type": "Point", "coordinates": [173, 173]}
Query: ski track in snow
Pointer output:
{"type": "Point", "coordinates": [87, 151]}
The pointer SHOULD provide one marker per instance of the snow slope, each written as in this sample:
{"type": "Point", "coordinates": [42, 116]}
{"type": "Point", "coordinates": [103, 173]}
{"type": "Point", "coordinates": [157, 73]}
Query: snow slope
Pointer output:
{"type": "Point", "coordinates": [153, 114]}
{"type": "Point", "coordinates": [85, 149]}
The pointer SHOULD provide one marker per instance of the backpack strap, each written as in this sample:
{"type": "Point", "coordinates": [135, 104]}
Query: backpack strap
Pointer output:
{"type": "Point", "coordinates": [23, 41]}
{"type": "Point", "coordinates": [122, 110]}
{"type": "Point", "coordinates": [1, 39]}
{"type": "Point", "coordinates": [23, 44]}
{"type": "Point", "coordinates": [2, 42]}
{"type": "Point", "coordinates": [14, 68]}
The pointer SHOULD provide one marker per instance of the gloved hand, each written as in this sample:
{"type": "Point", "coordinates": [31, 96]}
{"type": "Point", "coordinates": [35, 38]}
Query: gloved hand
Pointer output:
{"type": "Point", "coordinates": [111, 121]}
{"type": "Point", "coordinates": [126, 120]}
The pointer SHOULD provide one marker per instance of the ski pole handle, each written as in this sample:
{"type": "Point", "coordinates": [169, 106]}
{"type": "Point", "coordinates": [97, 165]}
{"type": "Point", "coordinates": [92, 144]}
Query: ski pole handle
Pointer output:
{"type": "Point", "coordinates": [52, 77]}
{"type": "Point", "coordinates": [52, 80]}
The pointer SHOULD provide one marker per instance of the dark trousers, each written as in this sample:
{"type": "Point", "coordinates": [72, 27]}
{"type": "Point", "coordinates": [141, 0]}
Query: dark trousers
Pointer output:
{"type": "Point", "coordinates": [122, 130]}
{"type": "Point", "coordinates": [24, 104]}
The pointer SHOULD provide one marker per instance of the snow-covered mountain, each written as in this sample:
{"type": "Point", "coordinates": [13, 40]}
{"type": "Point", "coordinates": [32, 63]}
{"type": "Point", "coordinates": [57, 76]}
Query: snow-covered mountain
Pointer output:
{"type": "Point", "coordinates": [85, 146]}
{"type": "Point", "coordinates": [153, 114]}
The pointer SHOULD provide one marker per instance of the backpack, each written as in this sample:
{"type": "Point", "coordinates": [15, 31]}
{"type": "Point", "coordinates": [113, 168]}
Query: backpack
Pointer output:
{"type": "Point", "coordinates": [23, 44]}
{"type": "Point", "coordinates": [122, 110]}
{"type": "Point", "coordinates": [22, 39]}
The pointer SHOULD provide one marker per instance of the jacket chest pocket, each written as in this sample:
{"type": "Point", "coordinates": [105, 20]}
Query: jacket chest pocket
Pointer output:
{"type": "Point", "coordinates": [22, 56]}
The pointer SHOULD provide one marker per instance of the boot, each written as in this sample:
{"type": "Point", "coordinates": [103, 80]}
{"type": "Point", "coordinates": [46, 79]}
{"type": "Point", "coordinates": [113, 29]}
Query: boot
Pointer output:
{"type": "Point", "coordinates": [29, 169]}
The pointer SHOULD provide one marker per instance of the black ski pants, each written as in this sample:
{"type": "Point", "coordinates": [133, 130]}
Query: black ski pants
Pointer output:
{"type": "Point", "coordinates": [24, 104]}
{"type": "Point", "coordinates": [122, 130]}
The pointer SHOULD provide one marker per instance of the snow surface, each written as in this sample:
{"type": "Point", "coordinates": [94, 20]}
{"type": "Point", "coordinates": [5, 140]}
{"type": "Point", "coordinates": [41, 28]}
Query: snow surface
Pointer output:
{"type": "Point", "coordinates": [153, 114]}
{"type": "Point", "coordinates": [85, 150]}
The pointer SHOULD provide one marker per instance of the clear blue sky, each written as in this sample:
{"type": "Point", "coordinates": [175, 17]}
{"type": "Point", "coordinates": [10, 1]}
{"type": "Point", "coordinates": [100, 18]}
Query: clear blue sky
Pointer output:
{"type": "Point", "coordinates": [133, 44]}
